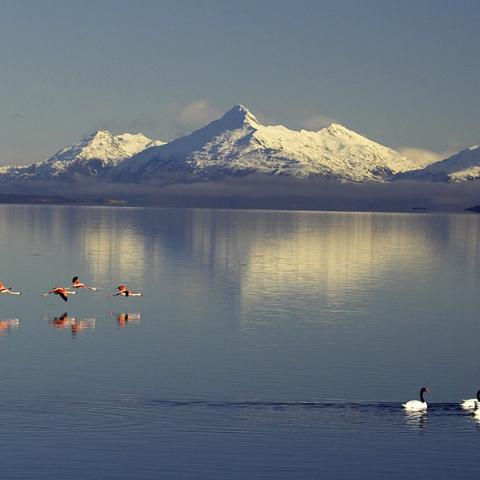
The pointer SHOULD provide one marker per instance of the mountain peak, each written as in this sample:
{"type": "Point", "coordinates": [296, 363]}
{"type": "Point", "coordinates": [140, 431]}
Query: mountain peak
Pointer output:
{"type": "Point", "coordinates": [99, 134]}
{"type": "Point", "coordinates": [240, 108]}
{"type": "Point", "coordinates": [239, 115]}
{"type": "Point", "coordinates": [337, 129]}
{"type": "Point", "coordinates": [101, 146]}
{"type": "Point", "coordinates": [237, 145]}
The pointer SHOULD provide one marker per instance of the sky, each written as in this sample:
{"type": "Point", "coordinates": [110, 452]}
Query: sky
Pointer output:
{"type": "Point", "coordinates": [404, 73]}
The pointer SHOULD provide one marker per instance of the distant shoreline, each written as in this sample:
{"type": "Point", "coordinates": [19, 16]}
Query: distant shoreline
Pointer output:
{"type": "Point", "coordinates": [287, 204]}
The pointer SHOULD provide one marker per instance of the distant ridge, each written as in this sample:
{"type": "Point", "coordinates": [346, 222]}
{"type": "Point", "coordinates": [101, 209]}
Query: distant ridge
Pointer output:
{"type": "Point", "coordinates": [461, 167]}
{"type": "Point", "coordinates": [92, 156]}
{"type": "Point", "coordinates": [237, 144]}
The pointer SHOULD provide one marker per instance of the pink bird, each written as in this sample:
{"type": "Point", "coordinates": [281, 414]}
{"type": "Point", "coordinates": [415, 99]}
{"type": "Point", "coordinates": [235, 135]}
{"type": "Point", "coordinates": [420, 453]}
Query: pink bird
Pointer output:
{"type": "Point", "coordinates": [125, 292]}
{"type": "Point", "coordinates": [76, 283]}
{"type": "Point", "coordinates": [61, 291]}
{"type": "Point", "coordinates": [4, 289]}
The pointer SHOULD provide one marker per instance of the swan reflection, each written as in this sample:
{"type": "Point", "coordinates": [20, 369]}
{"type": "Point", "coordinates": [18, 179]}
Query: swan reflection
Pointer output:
{"type": "Point", "coordinates": [416, 419]}
{"type": "Point", "coordinates": [8, 324]}
{"type": "Point", "coordinates": [124, 319]}
{"type": "Point", "coordinates": [476, 413]}
{"type": "Point", "coordinates": [76, 325]}
{"type": "Point", "coordinates": [476, 420]}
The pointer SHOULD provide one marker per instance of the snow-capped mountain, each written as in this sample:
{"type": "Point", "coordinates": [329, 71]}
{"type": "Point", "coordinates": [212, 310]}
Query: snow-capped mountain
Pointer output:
{"type": "Point", "coordinates": [462, 166]}
{"type": "Point", "coordinates": [93, 156]}
{"type": "Point", "coordinates": [237, 144]}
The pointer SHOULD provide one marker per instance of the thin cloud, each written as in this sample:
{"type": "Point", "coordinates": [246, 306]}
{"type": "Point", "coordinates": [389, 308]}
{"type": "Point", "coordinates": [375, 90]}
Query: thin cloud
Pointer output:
{"type": "Point", "coordinates": [258, 191]}
{"type": "Point", "coordinates": [263, 118]}
{"type": "Point", "coordinates": [196, 114]}
{"type": "Point", "coordinates": [317, 121]}
{"type": "Point", "coordinates": [17, 116]}
{"type": "Point", "coordinates": [423, 157]}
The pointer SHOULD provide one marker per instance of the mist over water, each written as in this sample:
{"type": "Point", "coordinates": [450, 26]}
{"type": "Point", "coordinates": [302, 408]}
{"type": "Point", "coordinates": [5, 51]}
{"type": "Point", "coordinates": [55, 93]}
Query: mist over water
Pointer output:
{"type": "Point", "coordinates": [266, 192]}
{"type": "Point", "coordinates": [266, 345]}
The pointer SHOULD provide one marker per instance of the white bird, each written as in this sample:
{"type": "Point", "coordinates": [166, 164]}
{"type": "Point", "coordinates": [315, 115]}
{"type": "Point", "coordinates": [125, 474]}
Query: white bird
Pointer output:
{"type": "Point", "coordinates": [471, 402]}
{"type": "Point", "coordinates": [476, 412]}
{"type": "Point", "coordinates": [417, 405]}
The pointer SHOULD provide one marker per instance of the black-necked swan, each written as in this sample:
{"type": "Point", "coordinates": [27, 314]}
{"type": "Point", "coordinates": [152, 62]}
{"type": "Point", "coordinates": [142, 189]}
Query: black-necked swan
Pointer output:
{"type": "Point", "coordinates": [417, 405]}
{"type": "Point", "coordinates": [471, 402]}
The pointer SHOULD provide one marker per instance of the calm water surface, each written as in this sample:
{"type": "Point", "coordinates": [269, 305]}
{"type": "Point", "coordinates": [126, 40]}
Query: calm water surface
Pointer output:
{"type": "Point", "coordinates": [269, 345]}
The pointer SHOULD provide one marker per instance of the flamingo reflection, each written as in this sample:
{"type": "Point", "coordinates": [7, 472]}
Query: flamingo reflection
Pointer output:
{"type": "Point", "coordinates": [125, 319]}
{"type": "Point", "coordinates": [63, 321]}
{"type": "Point", "coordinates": [76, 325]}
{"type": "Point", "coordinates": [9, 324]}
{"type": "Point", "coordinates": [82, 325]}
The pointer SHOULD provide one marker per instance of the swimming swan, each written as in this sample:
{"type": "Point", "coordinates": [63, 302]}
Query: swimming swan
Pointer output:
{"type": "Point", "coordinates": [471, 402]}
{"type": "Point", "coordinates": [476, 412]}
{"type": "Point", "coordinates": [417, 405]}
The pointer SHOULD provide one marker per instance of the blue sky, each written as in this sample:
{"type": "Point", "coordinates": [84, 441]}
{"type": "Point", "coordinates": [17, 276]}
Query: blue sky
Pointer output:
{"type": "Point", "coordinates": [404, 73]}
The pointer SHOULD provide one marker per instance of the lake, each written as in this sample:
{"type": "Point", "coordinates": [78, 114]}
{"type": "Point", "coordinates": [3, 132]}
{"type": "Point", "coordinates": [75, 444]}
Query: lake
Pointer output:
{"type": "Point", "coordinates": [267, 345]}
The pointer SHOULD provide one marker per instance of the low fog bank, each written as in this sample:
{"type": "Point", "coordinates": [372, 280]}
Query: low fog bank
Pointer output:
{"type": "Point", "coordinates": [261, 192]}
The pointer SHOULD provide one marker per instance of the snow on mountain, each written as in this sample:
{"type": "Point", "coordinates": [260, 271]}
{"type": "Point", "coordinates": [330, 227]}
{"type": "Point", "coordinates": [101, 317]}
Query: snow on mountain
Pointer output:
{"type": "Point", "coordinates": [94, 155]}
{"type": "Point", "coordinates": [237, 144]}
{"type": "Point", "coordinates": [461, 167]}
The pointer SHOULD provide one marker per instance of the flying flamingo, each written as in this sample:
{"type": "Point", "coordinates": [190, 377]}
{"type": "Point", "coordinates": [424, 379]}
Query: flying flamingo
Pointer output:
{"type": "Point", "coordinates": [63, 292]}
{"type": "Point", "coordinates": [4, 289]}
{"type": "Point", "coordinates": [124, 292]}
{"type": "Point", "coordinates": [76, 283]}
